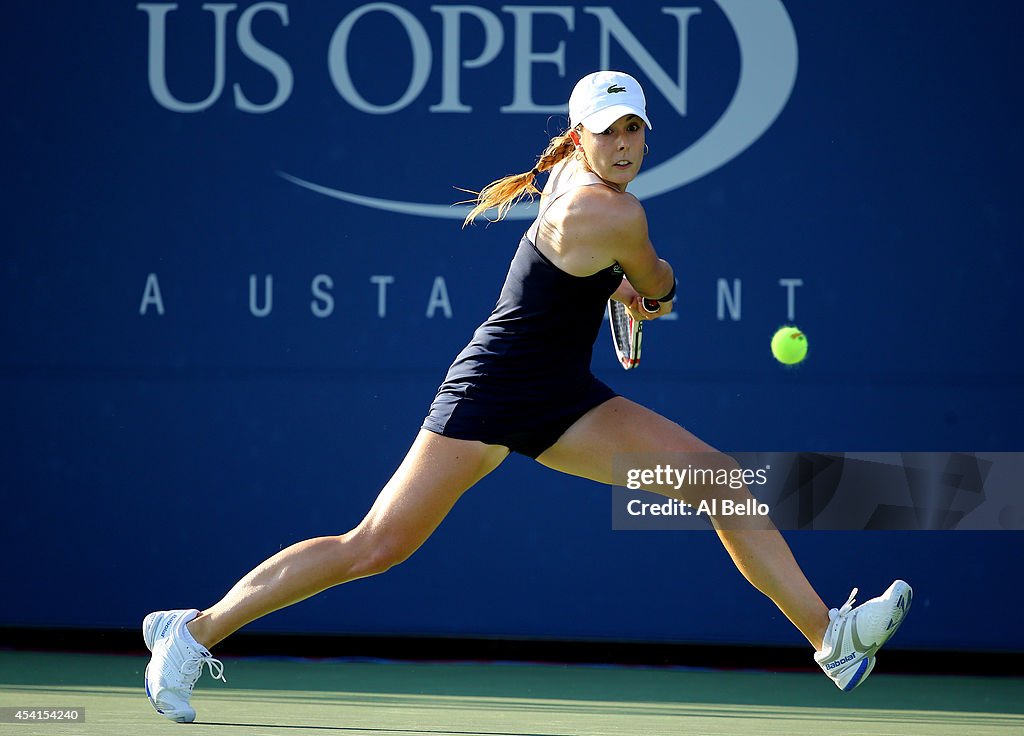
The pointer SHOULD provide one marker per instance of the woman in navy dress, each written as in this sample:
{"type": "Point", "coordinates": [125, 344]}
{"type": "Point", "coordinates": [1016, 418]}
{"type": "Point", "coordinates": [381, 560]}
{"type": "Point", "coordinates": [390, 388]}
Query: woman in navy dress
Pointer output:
{"type": "Point", "coordinates": [523, 384]}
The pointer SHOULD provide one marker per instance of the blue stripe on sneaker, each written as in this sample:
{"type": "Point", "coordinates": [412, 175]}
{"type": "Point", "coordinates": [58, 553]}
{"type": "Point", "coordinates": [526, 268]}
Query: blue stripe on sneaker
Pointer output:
{"type": "Point", "coordinates": [859, 674]}
{"type": "Point", "coordinates": [149, 694]}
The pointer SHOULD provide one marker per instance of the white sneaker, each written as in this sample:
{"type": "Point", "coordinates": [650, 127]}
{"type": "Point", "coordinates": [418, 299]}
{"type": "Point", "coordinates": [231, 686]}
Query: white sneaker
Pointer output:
{"type": "Point", "coordinates": [176, 664]}
{"type": "Point", "coordinates": [854, 634]}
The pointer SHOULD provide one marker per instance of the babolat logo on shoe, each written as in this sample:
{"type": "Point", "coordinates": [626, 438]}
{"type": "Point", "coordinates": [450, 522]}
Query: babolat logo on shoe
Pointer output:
{"type": "Point", "coordinates": [615, 88]}
{"type": "Point", "coordinates": [838, 662]}
{"type": "Point", "coordinates": [167, 626]}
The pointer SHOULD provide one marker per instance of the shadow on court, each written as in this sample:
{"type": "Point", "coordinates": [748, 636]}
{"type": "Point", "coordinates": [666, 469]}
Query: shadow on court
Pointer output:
{"type": "Point", "coordinates": [346, 729]}
{"type": "Point", "coordinates": [277, 697]}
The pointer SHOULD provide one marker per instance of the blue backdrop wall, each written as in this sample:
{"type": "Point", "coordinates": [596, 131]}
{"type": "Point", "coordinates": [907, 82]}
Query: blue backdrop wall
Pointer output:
{"type": "Point", "coordinates": [232, 280]}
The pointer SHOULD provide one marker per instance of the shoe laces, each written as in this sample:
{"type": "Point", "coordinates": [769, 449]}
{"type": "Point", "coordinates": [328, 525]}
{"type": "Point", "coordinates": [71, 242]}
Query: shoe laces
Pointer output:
{"type": "Point", "coordinates": [835, 614]}
{"type": "Point", "coordinates": [192, 668]}
{"type": "Point", "coordinates": [848, 606]}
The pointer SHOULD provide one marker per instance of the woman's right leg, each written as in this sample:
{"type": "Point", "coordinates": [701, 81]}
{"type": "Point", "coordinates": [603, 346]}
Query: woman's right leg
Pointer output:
{"type": "Point", "coordinates": [435, 473]}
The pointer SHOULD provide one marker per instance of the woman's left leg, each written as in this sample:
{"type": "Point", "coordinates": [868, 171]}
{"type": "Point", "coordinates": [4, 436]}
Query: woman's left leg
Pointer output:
{"type": "Point", "coordinates": [618, 426]}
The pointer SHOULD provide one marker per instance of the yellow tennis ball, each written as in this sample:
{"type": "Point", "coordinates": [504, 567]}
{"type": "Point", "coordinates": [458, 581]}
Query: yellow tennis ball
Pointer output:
{"type": "Point", "coordinates": [789, 345]}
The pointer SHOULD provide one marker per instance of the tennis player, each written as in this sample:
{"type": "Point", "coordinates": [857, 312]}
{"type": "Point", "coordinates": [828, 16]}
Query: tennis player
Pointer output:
{"type": "Point", "coordinates": [523, 384]}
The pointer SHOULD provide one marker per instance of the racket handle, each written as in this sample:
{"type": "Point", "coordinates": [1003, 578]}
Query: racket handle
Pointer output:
{"type": "Point", "coordinates": [651, 306]}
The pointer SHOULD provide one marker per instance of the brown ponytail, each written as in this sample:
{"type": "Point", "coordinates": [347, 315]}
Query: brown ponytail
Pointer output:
{"type": "Point", "coordinates": [505, 192]}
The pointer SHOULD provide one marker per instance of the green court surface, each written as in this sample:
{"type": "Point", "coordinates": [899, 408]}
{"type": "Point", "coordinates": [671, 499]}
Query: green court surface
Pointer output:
{"type": "Point", "coordinates": [286, 697]}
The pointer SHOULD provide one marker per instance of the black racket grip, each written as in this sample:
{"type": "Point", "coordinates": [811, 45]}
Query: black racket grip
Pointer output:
{"type": "Point", "coordinates": [651, 306]}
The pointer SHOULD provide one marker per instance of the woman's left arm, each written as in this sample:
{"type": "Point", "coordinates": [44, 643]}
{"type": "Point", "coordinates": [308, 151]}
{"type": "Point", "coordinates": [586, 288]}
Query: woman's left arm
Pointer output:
{"type": "Point", "coordinates": [625, 293]}
{"type": "Point", "coordinates": [629, 296]}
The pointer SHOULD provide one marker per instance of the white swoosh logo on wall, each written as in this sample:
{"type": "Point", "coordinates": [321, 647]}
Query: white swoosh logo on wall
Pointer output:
{"type": "Point", "coordinates": [768, 66]}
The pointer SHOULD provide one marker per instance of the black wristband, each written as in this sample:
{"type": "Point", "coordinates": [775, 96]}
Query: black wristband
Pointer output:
{"type": "Point", "coordinates": [670, 295]}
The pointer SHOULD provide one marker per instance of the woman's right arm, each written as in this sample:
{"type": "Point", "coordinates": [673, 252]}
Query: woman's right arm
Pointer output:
{"type": "Point", "coordinates": [620, 231]}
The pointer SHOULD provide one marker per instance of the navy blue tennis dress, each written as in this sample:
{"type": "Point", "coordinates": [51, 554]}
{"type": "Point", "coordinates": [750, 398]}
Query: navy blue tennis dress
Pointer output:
{"type": "Point", "coordinates": [525, 377]}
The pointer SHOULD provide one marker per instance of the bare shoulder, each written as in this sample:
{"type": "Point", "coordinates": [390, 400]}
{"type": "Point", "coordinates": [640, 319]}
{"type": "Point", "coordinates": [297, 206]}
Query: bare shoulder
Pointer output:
{"type": "Point", "coordinates": [592, 227]}
{"type": "Point", "coordinates": [601, 214]}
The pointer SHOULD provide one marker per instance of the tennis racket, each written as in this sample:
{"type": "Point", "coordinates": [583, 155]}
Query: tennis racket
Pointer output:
{"type": "Point", "coordinates": [627, 333]}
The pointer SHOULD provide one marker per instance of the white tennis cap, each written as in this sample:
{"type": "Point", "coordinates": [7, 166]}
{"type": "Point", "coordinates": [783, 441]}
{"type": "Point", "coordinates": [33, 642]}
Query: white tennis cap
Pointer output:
{"type": "Point", "coordinates": [601, 98]}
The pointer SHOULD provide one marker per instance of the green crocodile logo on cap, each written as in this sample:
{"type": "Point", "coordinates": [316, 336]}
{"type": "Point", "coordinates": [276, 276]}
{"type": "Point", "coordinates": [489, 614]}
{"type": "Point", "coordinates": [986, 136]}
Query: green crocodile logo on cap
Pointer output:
{"type": "Point", "coordinates": [614, 88]}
